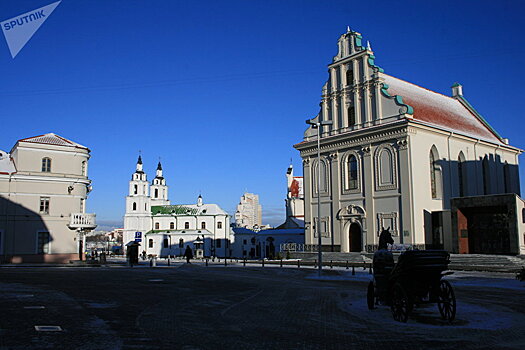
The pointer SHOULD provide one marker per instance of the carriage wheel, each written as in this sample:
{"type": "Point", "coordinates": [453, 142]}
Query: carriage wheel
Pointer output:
{"type": "Point", "coordinates": [401, 305]}
{"type": "Point", "coordinates": [446, 301]}
{"type": "Point", "coordinates": [370, 298]}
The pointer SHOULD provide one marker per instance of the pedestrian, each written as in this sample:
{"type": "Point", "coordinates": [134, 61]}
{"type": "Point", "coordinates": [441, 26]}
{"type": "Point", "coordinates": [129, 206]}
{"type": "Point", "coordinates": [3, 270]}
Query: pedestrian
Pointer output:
{"type": "Point", "coordinates": [188, 254]}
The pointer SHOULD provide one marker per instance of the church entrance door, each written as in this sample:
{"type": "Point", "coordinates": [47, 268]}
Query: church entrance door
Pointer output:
{"type": "Point", "coordinates": [355, 238]}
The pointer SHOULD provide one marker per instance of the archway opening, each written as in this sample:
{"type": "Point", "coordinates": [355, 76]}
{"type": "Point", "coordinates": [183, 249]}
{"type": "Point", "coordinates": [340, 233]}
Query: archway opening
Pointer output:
{"type": "Point", "coordinates": [355, 237]}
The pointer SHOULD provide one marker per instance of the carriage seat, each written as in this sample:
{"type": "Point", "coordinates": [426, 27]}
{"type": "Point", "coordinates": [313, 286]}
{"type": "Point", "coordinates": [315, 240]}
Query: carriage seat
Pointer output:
{"type": "Point", "coordinates": [383, 262]}
{"type": "Point", "coordinates": [421, 262]}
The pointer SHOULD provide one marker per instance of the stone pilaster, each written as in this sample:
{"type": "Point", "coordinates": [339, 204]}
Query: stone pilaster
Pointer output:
{"type": "Point", "coordinates": [335, 180]}
{"type": "Point", "coordinates": [357, 99]}
{"type": "Point", "coordinates": [368, 187]}
{"type": "Point", "coordinates": [406, 234]}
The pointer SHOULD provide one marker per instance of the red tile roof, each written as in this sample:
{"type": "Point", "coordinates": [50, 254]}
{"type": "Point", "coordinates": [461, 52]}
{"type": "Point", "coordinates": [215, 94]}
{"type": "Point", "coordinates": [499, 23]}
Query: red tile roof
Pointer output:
{"type": "Point", "coordinates": [52, 139]}
{"type": "Point", "coordinates": [440, 110]}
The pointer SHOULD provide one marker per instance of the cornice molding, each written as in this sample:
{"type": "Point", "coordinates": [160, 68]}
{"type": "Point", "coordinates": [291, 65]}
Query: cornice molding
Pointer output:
{"type": "Point", "coordinates": [347, 140]}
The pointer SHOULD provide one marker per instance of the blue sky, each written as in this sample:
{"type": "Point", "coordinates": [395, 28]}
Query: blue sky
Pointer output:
{"type": "Point", "coordinates": [220, 90]}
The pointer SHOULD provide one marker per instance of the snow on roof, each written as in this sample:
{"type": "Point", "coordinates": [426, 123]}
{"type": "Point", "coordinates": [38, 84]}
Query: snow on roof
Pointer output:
{"type": "Point", "coordinates": [6, 163]}
{"type": "Point", "coordinates": [187, 209]}
{"type": "Point", "coordinates": [444, 111]}
{"type": "Point", "coordinates": [195, 233]}
{"type": "Point", "coordinates": [52, 139]}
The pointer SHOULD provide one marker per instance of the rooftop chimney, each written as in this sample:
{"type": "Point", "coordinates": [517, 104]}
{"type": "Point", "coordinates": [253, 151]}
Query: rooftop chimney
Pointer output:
{"type": "Point", "coordinates": [457, 90]}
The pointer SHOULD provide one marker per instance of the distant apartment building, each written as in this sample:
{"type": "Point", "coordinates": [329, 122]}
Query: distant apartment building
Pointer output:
{"type": "Point", "coordinates": [249, 212]}
{"type": "Point", "coordinates": [43, 190]}
{"type": "Point", "coordinates": [268, 242]}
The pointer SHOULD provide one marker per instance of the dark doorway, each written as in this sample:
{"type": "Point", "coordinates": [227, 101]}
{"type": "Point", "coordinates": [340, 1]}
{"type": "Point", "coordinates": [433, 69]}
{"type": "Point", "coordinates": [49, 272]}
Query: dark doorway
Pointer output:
{"type": "Point", "coordinates": [488, 230]}
{"type": "Point", "coordinates": [437, 230]}
{"type": "Point", "coordinates": [355, 237]}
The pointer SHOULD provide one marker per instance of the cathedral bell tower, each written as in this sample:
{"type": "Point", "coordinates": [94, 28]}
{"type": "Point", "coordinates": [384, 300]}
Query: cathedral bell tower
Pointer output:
{"type": "Point", "coordinates": [159, 190]}
{"type": "Point", "coordinates": [138, 207]}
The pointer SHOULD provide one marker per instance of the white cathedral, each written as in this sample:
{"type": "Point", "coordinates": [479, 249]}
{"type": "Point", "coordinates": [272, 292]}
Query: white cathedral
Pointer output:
{"type": "Point", "coordinates": [165, 230]}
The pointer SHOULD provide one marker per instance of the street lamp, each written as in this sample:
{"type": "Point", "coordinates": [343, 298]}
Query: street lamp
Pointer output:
{"type": "Point", "coordinates": [317, 125]}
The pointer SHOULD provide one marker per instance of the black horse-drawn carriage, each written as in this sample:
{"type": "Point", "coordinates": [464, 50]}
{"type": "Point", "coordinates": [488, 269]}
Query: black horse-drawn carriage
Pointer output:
{"type": "Point", "coordinates": [417, 278]}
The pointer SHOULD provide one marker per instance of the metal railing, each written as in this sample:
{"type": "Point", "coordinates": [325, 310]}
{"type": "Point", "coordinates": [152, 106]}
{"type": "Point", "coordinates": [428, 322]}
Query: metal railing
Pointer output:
{"type": "Point", "coordinates": [298, 247]}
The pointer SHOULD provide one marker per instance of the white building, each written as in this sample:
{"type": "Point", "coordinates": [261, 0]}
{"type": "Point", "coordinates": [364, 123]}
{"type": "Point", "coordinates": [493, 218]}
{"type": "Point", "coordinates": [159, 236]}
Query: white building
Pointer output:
{"type": "Point", "coordinates": [294, 201]}
{"type": "Point", "coordinates": [397, 155]}
{"type": "Point", "coordinates": [43, 190]}
{"type": "Point", "coordinates": [249, 212]}
{"type": "Point", "coordinates": [268, 243]}
{"type": "Point", "coordinates": [163, 229]}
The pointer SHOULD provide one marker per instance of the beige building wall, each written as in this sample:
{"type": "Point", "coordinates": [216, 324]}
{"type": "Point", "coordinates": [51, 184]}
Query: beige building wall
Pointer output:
{"type": "Point", "coordinates": [65, 188]}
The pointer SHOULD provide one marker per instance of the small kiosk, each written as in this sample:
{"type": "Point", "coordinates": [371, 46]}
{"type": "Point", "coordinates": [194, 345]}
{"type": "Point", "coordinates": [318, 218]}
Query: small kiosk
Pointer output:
{"type": "Point", "coordinates": [132, 252]}
{"type": "Point", "coordinates": [198, 244]}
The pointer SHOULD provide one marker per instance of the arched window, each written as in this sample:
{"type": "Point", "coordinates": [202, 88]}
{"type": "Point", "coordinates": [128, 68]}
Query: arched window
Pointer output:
{"type": "Point", "coordinates": [385, 171]}
{"type": "Point", "coordinates": [352, 173]}
{"type": "Point", "coordinates": [134, 206]}
{"type": "Point", "coordinates": [486, 175]}
{"type": "Point", "coordinates": [46, 165]}
{"type": "Point", "coordinates": [219, 224]}
{"type": "Point", "coordinates": [349, 77]}
{"type": "Point", "coordinates": [324, 178]}
{"type": "Point", "coordinates": [435, 174]}
{"type": "Point", "coordinates": [385, 167]}
{"type": "Point", "coordinates": [461, 174]}
{"type": "Point", "coordinates": [186, 225]}
{"type": "Point", "coordinates": [351, 116]}
{"type": "Point", "coordinates": [135, 189]}
{"type": "Point", "coordinates": [156, 193]}
{"type": "Point", "coordinates": [166, 244]}
{"type": "Point", "coordinates": [84, 172]}
{"type": "Point", "coordinates": [203, 225]}
{"type": "Point", "coordinates": [157, 226]}
{"type": "Point", "coordinates": [172, 225]}
{"type": "Point", "coordinates": [506, 178]}
{"type": "Point", "coordinates": [181, 243]}
{"type": "Point", "coordinates": [150, 243]}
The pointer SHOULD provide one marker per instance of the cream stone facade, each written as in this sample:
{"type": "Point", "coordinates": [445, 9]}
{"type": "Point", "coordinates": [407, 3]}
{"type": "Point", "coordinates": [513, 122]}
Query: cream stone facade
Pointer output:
{"type": "Point", "coordinates": [249, 212]}
{"type": "Point", "coordinates": [163, 229]}
{"type": "Point", "coordinates": [395, 156]}
{"type": "Point", "coordinates": [43, 190]}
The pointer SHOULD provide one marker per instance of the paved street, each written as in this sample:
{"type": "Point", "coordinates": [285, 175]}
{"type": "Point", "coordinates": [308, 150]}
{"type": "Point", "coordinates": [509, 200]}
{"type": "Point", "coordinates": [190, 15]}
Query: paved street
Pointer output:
{"type": "Point", "coordinates": [235, 307]}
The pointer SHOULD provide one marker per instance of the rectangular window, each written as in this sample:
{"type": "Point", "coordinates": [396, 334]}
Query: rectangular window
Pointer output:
{"type": "Point", "coordinates": [82, 205]}
{"type": "Point", "coordinates": [150, 243]}
{"type": "Point", "coordinates": [218, 243]}
{"type": "Point", "coordinates": [44, 205]}
{"type": "Point", "coordinates": [244, 242]}
{"type": "Point", "coordinates": [166, 245]}
{"type": "Point", "coordinates": [43, 243]}
{"type": "Point", "coordinates": [219, 224]}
